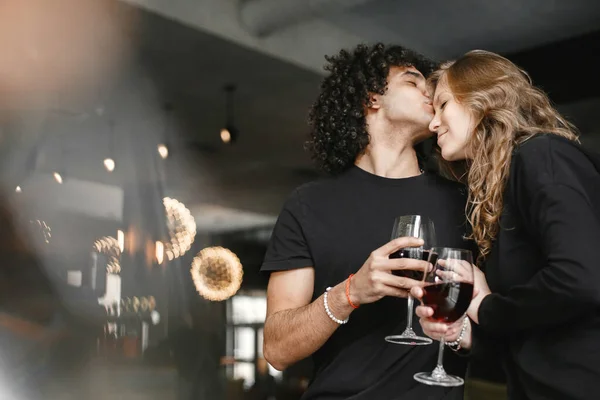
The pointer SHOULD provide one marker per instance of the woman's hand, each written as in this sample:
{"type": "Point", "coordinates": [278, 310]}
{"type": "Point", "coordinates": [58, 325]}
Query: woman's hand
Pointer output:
{"type": "Point", "coordinates": [457, 272]}
{"type": "Point", "coordinates": [435, 329]}
{"type": "Point", "coordinates": [480, 291]}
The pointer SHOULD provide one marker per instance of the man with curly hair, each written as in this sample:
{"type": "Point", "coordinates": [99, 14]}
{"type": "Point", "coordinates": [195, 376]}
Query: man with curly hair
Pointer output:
{"type": "Point", "coordinates": [373, 109]}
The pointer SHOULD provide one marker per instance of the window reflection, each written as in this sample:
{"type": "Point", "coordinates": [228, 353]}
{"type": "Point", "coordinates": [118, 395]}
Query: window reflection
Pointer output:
{"type": "Point", "coordinates": [246, 316]}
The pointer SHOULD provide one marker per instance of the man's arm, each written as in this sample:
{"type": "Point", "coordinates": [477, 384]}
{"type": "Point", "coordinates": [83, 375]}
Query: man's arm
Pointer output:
{"type": "Point", "coordinates": [295, 328]}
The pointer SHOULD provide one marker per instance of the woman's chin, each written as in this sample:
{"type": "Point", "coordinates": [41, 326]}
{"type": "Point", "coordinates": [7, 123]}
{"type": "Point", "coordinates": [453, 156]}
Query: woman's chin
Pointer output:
{"type": "Point", "coordinates": [446, 155]}
{"type": "Point", "coordinates": [451, 156]}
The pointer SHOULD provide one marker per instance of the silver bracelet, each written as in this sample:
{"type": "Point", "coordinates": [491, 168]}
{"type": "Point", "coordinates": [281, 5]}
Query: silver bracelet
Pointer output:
{"type": "Point", "coordinates": [456, 344]}
{"type": "Point", "coordinates": [328, 311]}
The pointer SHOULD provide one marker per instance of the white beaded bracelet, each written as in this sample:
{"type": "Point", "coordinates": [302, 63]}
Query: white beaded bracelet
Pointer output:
{"type": "Point", "coordinates": [456, 344]}
{"type": "Point", "coordinates": [328, 311]}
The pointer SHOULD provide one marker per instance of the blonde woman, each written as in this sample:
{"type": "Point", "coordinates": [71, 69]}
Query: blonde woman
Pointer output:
{"type": "Point", "coordinates": [534, 207]}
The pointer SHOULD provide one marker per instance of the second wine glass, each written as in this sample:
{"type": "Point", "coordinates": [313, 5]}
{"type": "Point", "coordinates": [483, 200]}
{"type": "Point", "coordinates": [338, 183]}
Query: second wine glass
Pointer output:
{"type": "Point", "coordinates": [448, 291]}
{"type": "Point", "coordinates": [421, 227]}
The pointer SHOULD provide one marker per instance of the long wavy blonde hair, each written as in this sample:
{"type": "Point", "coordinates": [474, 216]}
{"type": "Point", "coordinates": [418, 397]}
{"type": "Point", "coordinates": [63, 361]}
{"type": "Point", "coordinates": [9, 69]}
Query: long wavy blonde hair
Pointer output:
{"type": "Point", "coordinates": [507, 110]}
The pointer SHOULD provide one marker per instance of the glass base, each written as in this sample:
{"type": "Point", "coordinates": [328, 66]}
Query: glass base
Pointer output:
{"type": "Point", "coordinates": [409, 338]}
{"type": "Point", "coordinates": [438, 377]}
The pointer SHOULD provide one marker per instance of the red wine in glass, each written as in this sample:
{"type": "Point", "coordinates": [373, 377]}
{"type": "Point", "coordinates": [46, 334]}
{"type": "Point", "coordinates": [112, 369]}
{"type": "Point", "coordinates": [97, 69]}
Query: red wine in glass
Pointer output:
{"type": "Point", "coordinates": [449, 300]}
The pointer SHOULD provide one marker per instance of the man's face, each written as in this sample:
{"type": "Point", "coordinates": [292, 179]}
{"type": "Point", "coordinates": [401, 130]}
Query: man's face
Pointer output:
{"type": "Point", "coordinates": [406, 103]}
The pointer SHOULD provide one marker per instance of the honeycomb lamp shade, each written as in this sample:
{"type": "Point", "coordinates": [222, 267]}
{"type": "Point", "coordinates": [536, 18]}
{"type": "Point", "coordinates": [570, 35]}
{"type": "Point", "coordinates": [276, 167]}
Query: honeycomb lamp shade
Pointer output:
{"type": "Point", "coordinates": [217, 273]}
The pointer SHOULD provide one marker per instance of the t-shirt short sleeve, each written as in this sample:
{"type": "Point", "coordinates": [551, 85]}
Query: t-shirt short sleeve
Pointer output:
{"type": "Point", "coordinates": [288, 248]}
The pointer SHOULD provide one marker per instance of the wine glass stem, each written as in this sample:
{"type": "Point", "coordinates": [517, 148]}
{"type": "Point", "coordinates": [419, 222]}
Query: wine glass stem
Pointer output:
{"type": "Point", "coordinates": [440, 359]}
{"type": "Point", "coordinates": [409, 312]}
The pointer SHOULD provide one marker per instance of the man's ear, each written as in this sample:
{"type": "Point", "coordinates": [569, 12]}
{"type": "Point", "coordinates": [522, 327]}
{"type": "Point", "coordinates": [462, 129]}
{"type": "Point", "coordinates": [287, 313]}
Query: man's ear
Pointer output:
{"type": "Point", "coordinates": [374, 101]}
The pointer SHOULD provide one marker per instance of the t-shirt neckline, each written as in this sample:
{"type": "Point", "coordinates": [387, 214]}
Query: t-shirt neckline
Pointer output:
{"type": "Point", "coordinates": [380, 180]}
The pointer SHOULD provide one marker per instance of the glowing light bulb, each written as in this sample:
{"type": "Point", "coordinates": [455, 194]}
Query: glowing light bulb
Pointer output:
{"type": "Point", "coordinates": [57, 177]}
{"type": "Point", "coordinates": [160, 252]}
{"type": "Point", "coordinates": [163, 150]}
{"type": "Point", "coordinates": [225, 135]}
{"type": "Point", "coordinates": [109, 164]}
{"type": "Point", "coordinates": [121, 240]}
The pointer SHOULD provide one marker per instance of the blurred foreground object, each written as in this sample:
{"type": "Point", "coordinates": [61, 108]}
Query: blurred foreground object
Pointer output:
{"type": "Point", "coordinates": [49, 47]}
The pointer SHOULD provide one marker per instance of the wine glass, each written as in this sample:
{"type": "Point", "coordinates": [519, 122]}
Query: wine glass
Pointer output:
{"type": "Point", "coordinates": [448, 291]}
{"type": "Point", "coordinates": [420, 227]}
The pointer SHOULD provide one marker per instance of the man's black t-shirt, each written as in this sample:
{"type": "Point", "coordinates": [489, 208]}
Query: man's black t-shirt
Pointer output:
{"type": "Point", "coordinates": [333, 225]}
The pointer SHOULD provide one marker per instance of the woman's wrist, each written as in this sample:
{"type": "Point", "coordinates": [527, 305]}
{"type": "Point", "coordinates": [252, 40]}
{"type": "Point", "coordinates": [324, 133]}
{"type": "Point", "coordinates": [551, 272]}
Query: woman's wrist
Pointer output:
{"type": "Point", "coordinates": [467, 340]}
{"type": "Point", "coordinates": [463, 340]}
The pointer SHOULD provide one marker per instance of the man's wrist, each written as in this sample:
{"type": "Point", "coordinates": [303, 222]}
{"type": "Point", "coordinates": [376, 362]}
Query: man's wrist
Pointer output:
{"type": "Point", "coordinates": [338, 302]}
{"type": "Point", "coordinates": [352, 293]}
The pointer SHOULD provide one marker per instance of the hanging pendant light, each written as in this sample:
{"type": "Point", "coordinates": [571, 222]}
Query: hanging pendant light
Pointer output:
{"type": "Point", "coordinates": [109, 162]}
{"type": "Point", "coordinates": [163, 147]}
{"type": "Point", "coordinates": [229, 134]}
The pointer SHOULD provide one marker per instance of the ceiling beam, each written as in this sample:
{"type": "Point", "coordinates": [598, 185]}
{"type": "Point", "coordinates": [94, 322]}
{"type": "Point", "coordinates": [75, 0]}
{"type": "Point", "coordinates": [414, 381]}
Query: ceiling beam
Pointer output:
{"type": "Point", "coordinates": [303, 44]}
{"type": "Point", "coordinates": [263, 17]}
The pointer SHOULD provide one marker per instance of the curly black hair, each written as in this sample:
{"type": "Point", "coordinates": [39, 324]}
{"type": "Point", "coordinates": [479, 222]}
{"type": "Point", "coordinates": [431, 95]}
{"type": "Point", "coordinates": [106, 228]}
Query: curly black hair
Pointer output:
{"type": "Point", "coordinates": [338, 128]}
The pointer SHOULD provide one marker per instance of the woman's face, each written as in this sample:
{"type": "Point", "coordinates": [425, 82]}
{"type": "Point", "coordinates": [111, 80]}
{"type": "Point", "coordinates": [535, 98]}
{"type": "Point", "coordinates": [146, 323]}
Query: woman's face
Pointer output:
{"type": "Point", "coordinates": [452, 123]}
